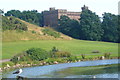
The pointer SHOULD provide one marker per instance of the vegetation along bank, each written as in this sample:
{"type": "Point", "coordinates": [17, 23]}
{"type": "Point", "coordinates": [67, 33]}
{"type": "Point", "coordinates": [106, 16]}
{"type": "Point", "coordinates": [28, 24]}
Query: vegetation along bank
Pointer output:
{"type": "Point", "coordinates": [40, 57]}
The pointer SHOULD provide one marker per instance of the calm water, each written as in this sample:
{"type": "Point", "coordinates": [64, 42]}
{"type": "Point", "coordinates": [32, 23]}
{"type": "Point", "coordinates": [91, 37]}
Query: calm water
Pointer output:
{"type": "Point", "coordinates": [71, 70]}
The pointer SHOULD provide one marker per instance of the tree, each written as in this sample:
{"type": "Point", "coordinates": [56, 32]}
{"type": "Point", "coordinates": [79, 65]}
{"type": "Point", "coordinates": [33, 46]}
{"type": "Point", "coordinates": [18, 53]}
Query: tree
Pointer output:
{"type": "Point", "coordinates": [118, 28]}
{"type": "Point", "coordinates": [110, 26]}
{"type": "Point", "coordinates": [90, 26]}
{"type": "Point", "coordinates": [15, 13]}
{"type": "Point", "coordinates": [32, 16]}
{"type": "Point", "coordinates": [37, 54]}
{"type": "Point", "coordinates": [69, 27]}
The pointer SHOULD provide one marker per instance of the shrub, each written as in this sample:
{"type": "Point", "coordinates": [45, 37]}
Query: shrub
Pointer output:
{"type": "Point", "coordinates": [33, 54]}
{"type": "Point", "coordinates": [54, 49]}
{"type": "Point", "coordinates": [62, 54]}
{"type": "Point", "coordinates": [37, 54]}
{"type": "Point", "coordinates": [56, 53]}
{"type": "Point", "coordinates": [50, 60]}
{"type": "Point", "coordinates": [83, 56]}
{"type": "Point", "coordinates": [107, 55]}
{"type": "Point", "coordinates": [52, 52]}
{"type": "Point", "coordinates": [61, 60]}
{"type": "Point", "coordinates": [15, 59]}
{"type": "Point", "coordinates": [33, 32]}
{"type": "Point", "coordinates": [9, 63]}
{"type": "Point", "coordinates": [51, 32]}
{"type": "Point", "coordinates": [73, 58]}
{"type": "Point", "coordinates": [95, 51]}
{"type": "Point", "coordinates": [20, 57]}
{"type": "Point", "coordinates": [25, 58]}
{"type": "Point", "coordinates": [11, 23]}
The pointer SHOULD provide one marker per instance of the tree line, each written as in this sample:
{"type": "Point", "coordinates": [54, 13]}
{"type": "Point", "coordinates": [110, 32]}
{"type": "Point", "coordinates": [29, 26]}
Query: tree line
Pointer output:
{"type": "Point", "coordinates": [89, 27]}
{"type": "Point", "coordinates": [32, 16]}
{"type": "Point", "coordinates": [92, 27]}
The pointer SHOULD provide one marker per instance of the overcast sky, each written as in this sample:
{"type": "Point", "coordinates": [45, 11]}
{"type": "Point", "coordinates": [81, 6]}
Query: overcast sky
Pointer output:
{"type": "Point", "coordinates": [98, 6]}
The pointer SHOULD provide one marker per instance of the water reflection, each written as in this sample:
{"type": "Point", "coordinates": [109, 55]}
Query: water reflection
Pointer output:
{"type": "Point", "coordinates": [71, 70]}
{"type": "Point", "coordinates": [106, 71]}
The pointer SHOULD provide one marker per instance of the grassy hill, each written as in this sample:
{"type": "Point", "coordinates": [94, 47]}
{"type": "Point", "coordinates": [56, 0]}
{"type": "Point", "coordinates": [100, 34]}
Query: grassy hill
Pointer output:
{"type": "Point", "coordinates": [34, 32]}
{"type": "Point", "coordinates": [16, 41]}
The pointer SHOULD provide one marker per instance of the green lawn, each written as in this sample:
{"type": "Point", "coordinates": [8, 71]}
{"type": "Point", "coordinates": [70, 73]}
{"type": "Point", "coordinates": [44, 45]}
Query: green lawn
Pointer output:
{"type": "Point", "coordinates": [76, 47]}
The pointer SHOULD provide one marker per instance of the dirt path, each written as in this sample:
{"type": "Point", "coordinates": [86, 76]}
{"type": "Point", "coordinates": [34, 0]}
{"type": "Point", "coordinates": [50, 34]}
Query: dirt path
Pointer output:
{"type": "Point", "coordinates": [4, 60]}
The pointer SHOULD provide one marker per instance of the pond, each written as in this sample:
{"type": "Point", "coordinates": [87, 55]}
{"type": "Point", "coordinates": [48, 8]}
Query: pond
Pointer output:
{"type": "Point", "coordinates": [83, 69]}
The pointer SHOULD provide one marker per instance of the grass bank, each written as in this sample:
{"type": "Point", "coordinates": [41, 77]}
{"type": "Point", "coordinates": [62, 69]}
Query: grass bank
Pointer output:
{"type": "Point", "coordinates": [75, 47]}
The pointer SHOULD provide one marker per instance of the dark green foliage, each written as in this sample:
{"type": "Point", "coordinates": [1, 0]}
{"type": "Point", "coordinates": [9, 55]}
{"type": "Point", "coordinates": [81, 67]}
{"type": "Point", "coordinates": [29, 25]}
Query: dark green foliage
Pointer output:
{"type": "Point", "coordinates": [33, 32]}
{"type": "Point", "coordinates": [33, 54]}
{"type": "Point", "coordinates": [15, 13]}
{"type": "Point", "coordinates": [62, 54]}
{"type": "Point", "coordinates": [15, 59]}
{"type": "Point", "coordinates": [107, 55]}
{"type": "Point", "coordinates": [54, 53]}
{"type": "Point", "coordinates": [20, 57]}
{"type": "Point", "coordinates": [52, 60]}
{"type": "Point", "coordinates": [30, 16]}
{"type": "Point", "coordinates": [88, 29]}
{"type": "Point", "coordinates": [25, 58]}
{"type": "Point", "coordinates": [119, 28]}
{"type": "Point", "coordinates": [83, 56]}
{"type": "Point", "coordinates": [90, 26]}
{"type": "Point", "coordinates": [110, 26]}
{"type": "Point", "coordinates": [73, 58]}
{"type": "Point", "coordinates": [11, 23]}
{"type": "Point", "coordinates": [51, 32]}
{"type": "Point", "coordinates": [69, 27]}
{"type": "Point", "coordinates": [37, 54]}
{"type": "Point", "coordinates": [54, 49]}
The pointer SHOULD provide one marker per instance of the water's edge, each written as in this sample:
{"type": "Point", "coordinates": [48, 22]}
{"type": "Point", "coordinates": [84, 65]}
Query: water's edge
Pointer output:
{"type": "Point", "coordinates": [31, 72]}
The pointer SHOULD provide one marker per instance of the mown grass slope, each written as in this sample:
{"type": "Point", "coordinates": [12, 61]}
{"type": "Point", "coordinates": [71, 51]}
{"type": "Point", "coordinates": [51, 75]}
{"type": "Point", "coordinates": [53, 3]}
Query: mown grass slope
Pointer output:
{"type": "Point", "coordinates": [76, 47]}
